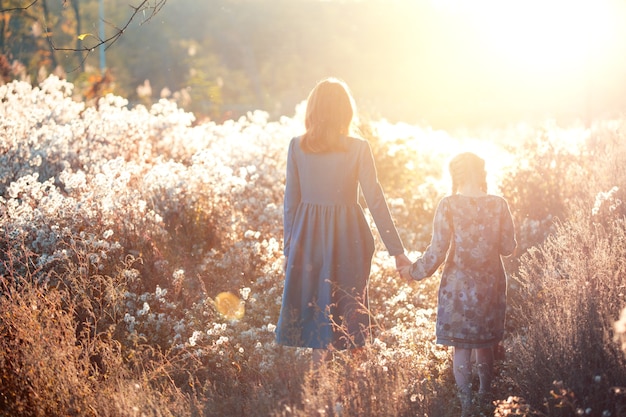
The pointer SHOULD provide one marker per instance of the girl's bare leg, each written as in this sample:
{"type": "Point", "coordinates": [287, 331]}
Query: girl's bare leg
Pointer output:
{"type": "Point", "coordinates": [462, 368]}
{"type": "Point", "coordinates": [484, 366]}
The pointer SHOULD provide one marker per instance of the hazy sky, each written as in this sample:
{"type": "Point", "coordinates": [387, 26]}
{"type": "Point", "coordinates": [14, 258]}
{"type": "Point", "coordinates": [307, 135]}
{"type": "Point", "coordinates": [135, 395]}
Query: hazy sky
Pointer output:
{"type": "Point", "coordinates": [485, 62]}
{"type": "Point", "coordinates": [510, 60]}
{"type": "Point", "coordinates": [439, 63]}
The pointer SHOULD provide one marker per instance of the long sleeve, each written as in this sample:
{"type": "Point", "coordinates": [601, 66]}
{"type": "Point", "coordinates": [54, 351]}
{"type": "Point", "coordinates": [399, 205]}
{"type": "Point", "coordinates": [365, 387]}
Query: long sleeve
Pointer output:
{"type": "Point", "coordinates": [507, 231]}
{"type": "Point", "coordinates": [376, 202]}
{"type": "Point", "coordinates": [292, 196]}
{"type": "Point", "coordinates": [436, 252]}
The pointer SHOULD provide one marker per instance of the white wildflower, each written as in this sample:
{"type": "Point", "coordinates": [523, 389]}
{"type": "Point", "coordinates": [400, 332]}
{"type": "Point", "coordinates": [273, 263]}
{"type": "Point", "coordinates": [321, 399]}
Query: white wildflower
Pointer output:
{"type": "Point", "coordinates": [145, 309]}
{"type": "Point", "coordinates": [160, 292]}
{"type": "Point", "coordinates": [194, 337]}
{"type": "Point", "coordinates": [245, 292]}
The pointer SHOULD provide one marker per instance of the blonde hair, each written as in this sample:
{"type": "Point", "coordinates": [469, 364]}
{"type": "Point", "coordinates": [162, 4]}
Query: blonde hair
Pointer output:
{"type": "Point", "coordinates": [467, 168]}
{"type": "Point", "coordinates": [329, 113]}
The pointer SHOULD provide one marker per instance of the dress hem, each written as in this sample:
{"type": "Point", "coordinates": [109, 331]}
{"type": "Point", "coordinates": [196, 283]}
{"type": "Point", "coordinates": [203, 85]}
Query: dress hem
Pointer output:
{"type": "Point", "coordinates": [468, 344]}
{"type": "Point", "coordinates": [330, 346]}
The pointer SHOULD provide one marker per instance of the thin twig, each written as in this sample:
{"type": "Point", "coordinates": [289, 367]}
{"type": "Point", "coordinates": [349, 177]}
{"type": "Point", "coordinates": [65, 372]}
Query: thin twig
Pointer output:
{"type": "Point", "coordinates": [14, 9]}
{"type": "Point", "coordinates": [142, 7]}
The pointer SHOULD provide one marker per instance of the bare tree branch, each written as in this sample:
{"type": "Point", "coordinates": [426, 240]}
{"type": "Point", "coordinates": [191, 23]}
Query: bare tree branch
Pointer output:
{"type": "Point", "coordinates": [149, 8]}
{"type": "Point", "coordinates": [15, 9]}
{"type": "Point", "coordinates": [46, 14]}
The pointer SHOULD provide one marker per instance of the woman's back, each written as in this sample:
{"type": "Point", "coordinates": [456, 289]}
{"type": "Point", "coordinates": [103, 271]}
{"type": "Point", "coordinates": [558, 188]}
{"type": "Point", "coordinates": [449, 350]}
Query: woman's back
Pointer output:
{"type": "Point", "coordinates": [329, 178]}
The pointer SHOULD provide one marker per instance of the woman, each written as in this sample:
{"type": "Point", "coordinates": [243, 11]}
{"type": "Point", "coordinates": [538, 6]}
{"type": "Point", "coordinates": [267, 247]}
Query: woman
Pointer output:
{"type": "Point", "coordinates": [328, 244]}
{"type": "Point", "coordinates": [471, 231]}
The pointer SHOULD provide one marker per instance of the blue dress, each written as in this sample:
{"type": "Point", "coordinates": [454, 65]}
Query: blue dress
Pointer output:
{"type": "Point", "coordinates": [470, 235]}
{"type": "Point", "coordinates": [329, 245]}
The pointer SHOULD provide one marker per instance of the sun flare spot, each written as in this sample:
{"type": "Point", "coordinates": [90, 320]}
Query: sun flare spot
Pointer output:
{"type": "Point", "coordinates": [230, 306]}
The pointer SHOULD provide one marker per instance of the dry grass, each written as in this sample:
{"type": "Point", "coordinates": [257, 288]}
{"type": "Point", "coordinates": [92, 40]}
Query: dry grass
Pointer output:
{"type": "Point", "coordinates": [110, 261]}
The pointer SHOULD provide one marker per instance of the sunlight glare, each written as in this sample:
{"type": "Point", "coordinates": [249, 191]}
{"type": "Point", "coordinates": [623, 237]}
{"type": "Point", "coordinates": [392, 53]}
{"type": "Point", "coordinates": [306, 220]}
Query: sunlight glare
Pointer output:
{"type": "Point", "coordinates": [540, 35]}
{"type": "Point", "coordinates": [440, 145]}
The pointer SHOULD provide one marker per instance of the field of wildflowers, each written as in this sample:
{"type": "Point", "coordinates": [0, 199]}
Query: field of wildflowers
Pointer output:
{"type": "Point", "coordinates": [141, 256]}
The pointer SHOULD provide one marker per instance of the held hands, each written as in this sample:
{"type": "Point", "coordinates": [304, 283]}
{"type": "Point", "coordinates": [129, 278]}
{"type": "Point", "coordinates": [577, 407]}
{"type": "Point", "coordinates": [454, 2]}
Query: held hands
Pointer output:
{"type": "Point", "coordinates": [405, 272]}
{"type": "Point", "coordinates": [403, 265]}
{"type": "Point", "coordinates": [402, 260]}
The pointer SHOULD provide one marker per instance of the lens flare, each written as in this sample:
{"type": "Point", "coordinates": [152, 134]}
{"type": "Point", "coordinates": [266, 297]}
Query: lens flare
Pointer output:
{"type": "Point", "coordinates": [230, 306]}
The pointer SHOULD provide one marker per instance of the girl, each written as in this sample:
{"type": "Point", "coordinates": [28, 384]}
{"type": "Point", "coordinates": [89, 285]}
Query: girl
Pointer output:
{"type": "Point", "coordinates": [471, 231]}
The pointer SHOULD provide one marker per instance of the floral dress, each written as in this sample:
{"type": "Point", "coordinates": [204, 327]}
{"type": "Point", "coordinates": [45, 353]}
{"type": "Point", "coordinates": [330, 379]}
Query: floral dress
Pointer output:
{"type": "Point", "coordinates": [470, 234]}
{"type": "Point", "coordinates": [329, 245]}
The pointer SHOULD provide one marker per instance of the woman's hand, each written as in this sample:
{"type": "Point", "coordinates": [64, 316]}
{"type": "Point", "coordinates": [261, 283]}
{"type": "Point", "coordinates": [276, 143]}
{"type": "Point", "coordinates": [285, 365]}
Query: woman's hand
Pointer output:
{"type": "Point", "coordinates": [405, 272]}
{"type": "Point", "coordinates": [285, 264]}
{"type": "Point", "coordinates": [402, 261]}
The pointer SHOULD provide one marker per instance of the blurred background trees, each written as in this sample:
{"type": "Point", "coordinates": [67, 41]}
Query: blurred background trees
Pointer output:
{"type": "Point", "coordinates": [420, 62]}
